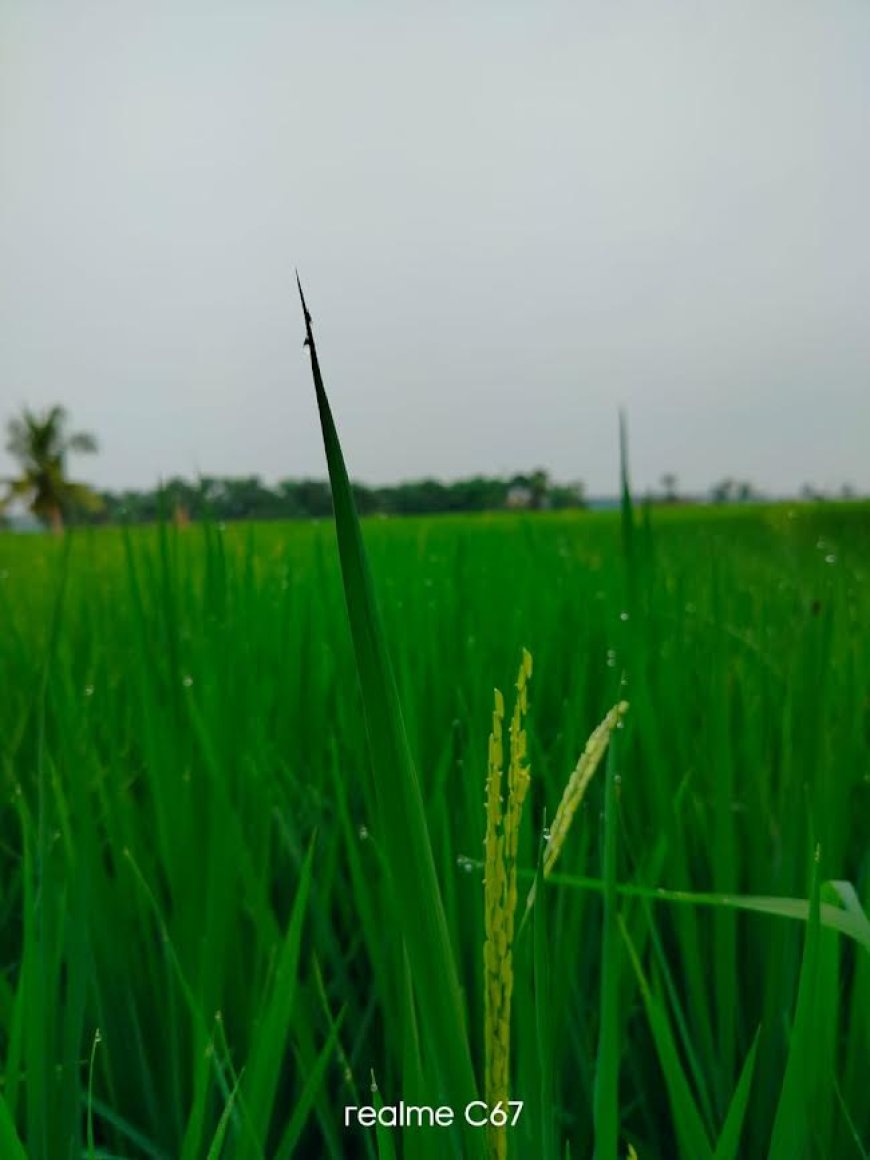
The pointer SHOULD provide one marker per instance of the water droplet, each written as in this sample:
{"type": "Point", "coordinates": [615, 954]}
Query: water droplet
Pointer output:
{"type": "Point", "coordinates": [617, 779]}
{"type": "Point", "coordinates": [620, 724]}
{"type": "Point", "coordinates": [830, 558]}
{"type": "Point", "coordinates": [187, 680]}
{"type": "Point", "coordinates": [89, 690]}
{"type": "Point", "coordinates": [623, 616]}
{"type": "Point", "coordinates": [465, 863]}
{"type": "Point", "coordinates": [363, 833]}
{"type": "Point", "coordinates": [547, 834]}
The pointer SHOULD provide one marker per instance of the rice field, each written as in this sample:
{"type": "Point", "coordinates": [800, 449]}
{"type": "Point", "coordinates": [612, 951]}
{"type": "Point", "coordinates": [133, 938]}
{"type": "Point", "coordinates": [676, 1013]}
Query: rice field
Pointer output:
{"type": "Point", "coordinates": [243, 838]}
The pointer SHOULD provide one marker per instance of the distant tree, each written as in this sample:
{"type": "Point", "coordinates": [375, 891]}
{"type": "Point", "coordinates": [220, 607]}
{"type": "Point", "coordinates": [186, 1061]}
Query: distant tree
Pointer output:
{"type": "Point", "coordinates": [746, 492]}
{"type": "Point", "coordinates": [539, 485]}
{"type": "Point", "coordinates": [180, 500]}
{"type": "Point", "coordinates": [734, 491]}
{"type": "Point", "coordinates": [723, 491]}
{"type": "Point", "coordinates": [315, 498]}
{"type": "Point", "coordinates": [365, 498]}
{"type": "Point", "coordinates": [569, 495]}
{"type": "Point", "coordinates": [41, 443]}
{"type": "Point", "coordinates": [669, 484]}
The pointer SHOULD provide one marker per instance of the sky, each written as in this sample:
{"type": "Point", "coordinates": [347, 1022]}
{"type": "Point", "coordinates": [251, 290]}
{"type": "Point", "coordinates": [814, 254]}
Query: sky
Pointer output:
{"type": "Point", "coordinates": [510, 219]}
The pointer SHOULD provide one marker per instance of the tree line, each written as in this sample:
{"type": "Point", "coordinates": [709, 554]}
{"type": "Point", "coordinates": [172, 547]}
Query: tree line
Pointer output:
{"type": "Point", "coordinates": [40, 443]}
{"type": "Point", "coordinates": [249, 498]}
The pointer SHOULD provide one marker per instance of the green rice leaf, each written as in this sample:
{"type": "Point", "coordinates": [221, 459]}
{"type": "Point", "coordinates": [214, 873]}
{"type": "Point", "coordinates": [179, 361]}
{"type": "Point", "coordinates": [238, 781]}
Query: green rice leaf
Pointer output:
{"type": "Point", "coordinates": [384, 1136]}
{"type": "Point", "coordinates": [729, 1138]}
{"type": "Point", "coordinates": [419, 909]}
{"type": "Point", "coordinates": [10, 1143]}
{"type": "Point", "coordinates": [688, 1124]}
{"type": "Point", "coordinates": [606, 1096]}
{"type": "Point", "coordinates": [217, 1142]}
{"type": "Point", "coordinates": [544, 1014]}
{"type": "Point", "coordinates": [270, 1042]}
{"type": "Point", "coordinates": [312, 1086]}
{"type": "Point", "coordinates": [792, 1133]}
{"type": "Point", "coordinates": [847, 922]}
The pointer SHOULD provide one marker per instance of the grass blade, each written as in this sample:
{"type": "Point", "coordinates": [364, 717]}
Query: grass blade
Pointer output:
{"type": "Point", "coordinates": [217, 1143]}
{"type": "Point", "coordinates": [729, 1139]}
{"type": "Point", "coordinates": [606, 1097]}
{"type": "Point", "coordinates": [847, 922]}
{"type": "Point", "coordinates": [270, 1044]}
{"type": "Point", "coordinates": [384, 1136]}
{"type": "Point", "coordinates": [305, 1101]}
{"type": "Point", "coordinates": [689, 1126]}
{"type": "Point", "coordinates": [403, 827]}
{"type": "Point", "coordinates": [10, 1144]}
{"type": "Point", "coordinates": [792, 1128]}
{"type": "Point", "coordinates": [544, 1017]}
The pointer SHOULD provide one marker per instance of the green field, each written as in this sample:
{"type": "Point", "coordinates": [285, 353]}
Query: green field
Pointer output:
{"type": "Point", "coordinates": [195, 861]}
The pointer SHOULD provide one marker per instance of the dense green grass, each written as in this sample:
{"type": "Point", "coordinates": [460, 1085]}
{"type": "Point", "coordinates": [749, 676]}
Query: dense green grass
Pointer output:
{"type": "Point", "coordinates": [193, 861]}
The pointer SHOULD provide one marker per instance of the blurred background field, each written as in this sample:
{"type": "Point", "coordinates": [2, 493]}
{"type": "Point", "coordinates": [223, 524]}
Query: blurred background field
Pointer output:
{"type": "Point", "coordinates": [181, 720]}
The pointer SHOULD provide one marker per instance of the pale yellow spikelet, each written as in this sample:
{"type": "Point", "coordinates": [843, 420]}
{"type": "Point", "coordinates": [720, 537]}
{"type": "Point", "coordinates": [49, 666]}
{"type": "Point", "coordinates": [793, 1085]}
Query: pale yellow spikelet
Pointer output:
{"type": "Point", "coordinates": [500, 896]}
{"type": "Point", "coordinates": [578, 783]}
{"type": "Point", "coordinates": [575, 790]}
{"type": "Point", "coordinates": [632, 1155]}
{"type": "Point", "coordinates": [494, 880]}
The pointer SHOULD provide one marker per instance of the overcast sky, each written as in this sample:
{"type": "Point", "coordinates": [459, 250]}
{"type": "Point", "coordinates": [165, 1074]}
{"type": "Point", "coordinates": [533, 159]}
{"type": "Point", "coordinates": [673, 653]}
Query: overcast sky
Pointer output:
{"type": "Point", "coordinates": [510, 219]}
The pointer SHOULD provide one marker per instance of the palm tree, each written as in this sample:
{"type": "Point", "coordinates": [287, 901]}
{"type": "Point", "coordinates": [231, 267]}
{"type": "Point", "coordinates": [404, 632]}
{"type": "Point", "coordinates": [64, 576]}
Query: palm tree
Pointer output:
{"type": "Point", "coordinates": [40, 443]}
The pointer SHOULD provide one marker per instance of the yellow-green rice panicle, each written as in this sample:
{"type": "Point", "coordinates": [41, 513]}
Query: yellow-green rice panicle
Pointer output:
{"type": "Point", "coordinates": [493, 883]}
{"type": "Point", "coordinates": [578, 782]}
{"type": "Point", "coordinates": [500, 897]}
{"type": "Point", "coordinates": [518, 784]}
